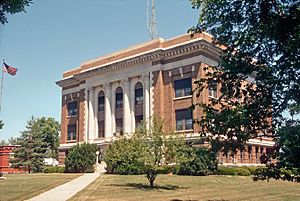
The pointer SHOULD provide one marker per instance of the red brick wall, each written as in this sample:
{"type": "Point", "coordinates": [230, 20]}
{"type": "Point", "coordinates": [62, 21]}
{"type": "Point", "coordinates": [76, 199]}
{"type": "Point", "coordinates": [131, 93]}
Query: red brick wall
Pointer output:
{"type": "Point", "coordinates": [164, 94]}
{"type": "Point", "coordinates": [5, 152]}
{"type": "Point", "coordinates": [78, 119]}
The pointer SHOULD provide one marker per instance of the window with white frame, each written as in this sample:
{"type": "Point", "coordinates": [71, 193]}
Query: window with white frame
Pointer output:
{"type": "Point", "coordinates": [183, 87]}
{"type": "Point", "coordinates": [213, 89]}
{"type": "Point", "coordinates": [184, 119]}
{"type": "Point", "coordinates": [72, 108]}
{"type": "Point", "coordinates": [71, 132]}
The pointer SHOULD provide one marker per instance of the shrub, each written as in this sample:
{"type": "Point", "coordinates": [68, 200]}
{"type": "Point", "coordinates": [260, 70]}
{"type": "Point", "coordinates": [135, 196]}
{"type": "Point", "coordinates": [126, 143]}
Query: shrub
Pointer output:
{"type": "Point", "coordinates": [52, 169]}
{"type": "Point", "coordinates": [169, 169]}
{"type": "Point", "coordinates": [81, 158]}
{"type": "Point", "coordinates": [222, 170]}
{"type": "Point", "coordinates": [200, 162]}
{"type": "Point", "coordinates": [124, 157]}
{"type": "Point", "coordinates": [251, 169]}
{"type": "Point", "coordinates": [240, 171]}
{"type": "Point", "coordinates": [275, 172]}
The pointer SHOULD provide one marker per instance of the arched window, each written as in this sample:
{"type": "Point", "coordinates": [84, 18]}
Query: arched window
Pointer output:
{"type": "Point", "coordinates": [101, 114]}
{"type": "Point", "coordinates": [119, 97]}
{"type": "Point", "coordinates": [138, 103]}
{"type": "Point", "coordinates": [119, 110]}
{"type": "Point", "coordinates": [101, 101]}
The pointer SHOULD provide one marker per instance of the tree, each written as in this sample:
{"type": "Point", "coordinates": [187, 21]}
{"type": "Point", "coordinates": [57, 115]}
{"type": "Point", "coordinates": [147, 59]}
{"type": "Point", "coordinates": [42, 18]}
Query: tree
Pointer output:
{"type": "Point", "coordinates": [287, 153]}
{"type": "Point", "coordinates": [81, 158]}
{"type": "Point", "coordinates": [259, 69]}
{"type": "Point", "coordinates": [160, 148]}
{"type": "Point", "coordinates": [148, 152]}
{"type": "Point", "coordinates": [199, 161]}
{"type": "Point", "coordinates": [125, 156]}
{"type": "Point", "coordinates": [12, 141]}
{"type": "Point", "coordinates": [23, 155]}
{"type": "Point", "coordinates": [3, 142]}
{"type": "Point", "coordinates": [38, 141]}
{"type": "Point", "coordinates": [47, 129]}
{"type": "Point", "coordinates": [12, 7]}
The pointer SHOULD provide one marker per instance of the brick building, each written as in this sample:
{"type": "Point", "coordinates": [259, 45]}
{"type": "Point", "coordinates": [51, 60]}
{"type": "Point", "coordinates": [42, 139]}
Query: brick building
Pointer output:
{"type": "Point", "coordinates": [6, 153]}
{"type": "Point", "coordinates": [107, 97]}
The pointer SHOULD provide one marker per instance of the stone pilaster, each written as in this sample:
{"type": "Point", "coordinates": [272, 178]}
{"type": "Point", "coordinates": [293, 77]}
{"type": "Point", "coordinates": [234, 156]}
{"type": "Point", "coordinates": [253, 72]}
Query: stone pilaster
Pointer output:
{"type": "Point", "coordinates": [86, 115]}
{"type": "Point", "coordinates": [91, 116]}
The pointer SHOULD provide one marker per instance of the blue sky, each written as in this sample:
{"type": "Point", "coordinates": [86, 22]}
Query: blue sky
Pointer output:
{"type": "Point", "coordinates": [58, 35]}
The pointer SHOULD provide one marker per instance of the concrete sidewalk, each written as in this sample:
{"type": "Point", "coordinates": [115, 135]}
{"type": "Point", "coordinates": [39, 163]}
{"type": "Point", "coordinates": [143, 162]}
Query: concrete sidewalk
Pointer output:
{"type": "Point", "coordinates": [67, 190]}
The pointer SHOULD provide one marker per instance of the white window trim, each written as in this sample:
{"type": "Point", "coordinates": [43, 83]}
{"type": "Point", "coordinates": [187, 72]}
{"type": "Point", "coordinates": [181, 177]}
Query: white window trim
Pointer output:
{"type": "Point", "coordinates": [183, 97]}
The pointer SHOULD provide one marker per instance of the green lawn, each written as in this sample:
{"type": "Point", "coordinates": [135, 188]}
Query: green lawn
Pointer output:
{"type": "Point", "coordinates": [25, 186]}
{"type": "Point", "coordinates": [184, 188]}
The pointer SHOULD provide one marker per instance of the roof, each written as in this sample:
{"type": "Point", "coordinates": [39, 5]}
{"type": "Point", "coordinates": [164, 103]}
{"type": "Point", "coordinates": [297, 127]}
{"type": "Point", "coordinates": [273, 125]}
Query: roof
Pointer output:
{"type": "Point", "coordinates": [137, 51]}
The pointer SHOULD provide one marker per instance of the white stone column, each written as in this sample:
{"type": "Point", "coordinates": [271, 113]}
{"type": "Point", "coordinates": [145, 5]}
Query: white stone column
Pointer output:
{"type": "Point", "coordinates": [132, 104]}
{"type": "Point", "coordinates": [126, 107]}
{"type": "Point", "coordinates": [147, 100]}
{"type": "Point", "coordinates": [86, 115]}
{"type": "Point", "coordinates": [97, 90]}
{"type": "Point", "coordinates": [108, 113]}
{"type": "Point", "coordinates": [113, 107]}
{"type": "Point", "coordinates": [91, 122]}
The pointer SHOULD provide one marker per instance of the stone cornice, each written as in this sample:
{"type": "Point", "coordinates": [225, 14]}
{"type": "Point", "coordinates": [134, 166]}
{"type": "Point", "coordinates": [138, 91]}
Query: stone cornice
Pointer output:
{"type": "Point", "coordinates": [67, 81]}
{"type": "Point", "coordinates": [157, 54]}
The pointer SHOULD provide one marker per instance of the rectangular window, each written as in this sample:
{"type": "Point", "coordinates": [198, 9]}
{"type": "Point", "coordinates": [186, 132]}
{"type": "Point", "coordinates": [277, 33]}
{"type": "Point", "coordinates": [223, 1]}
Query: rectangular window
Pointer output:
{"type": "Point", "coordinates": [119, 126]}
{"type": "Point", "coordinates": [184, 119]}
{"type": "Point", "coordinates": [72, 108]}
{"type": "Point", "coordinates": [183, 87]}
{"type": "Point", "coordinates": [71, 132]}
{"type": "Point", "coordinates": [213, 89]}
{"type": "Point", "coordinates": [138, 119]}
{"type": "Point", "coordinates": [101, 103]}
{"type": "Point", "coordinates": [139, 98]}
{"type": "Point", "coordinates": [101, 129]}
{"type": "Point", "coordinates": [119, 100]}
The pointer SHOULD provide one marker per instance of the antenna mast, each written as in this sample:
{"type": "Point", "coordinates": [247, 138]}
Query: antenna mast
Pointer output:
{"type": "Point", "coordinates": [152, 24]}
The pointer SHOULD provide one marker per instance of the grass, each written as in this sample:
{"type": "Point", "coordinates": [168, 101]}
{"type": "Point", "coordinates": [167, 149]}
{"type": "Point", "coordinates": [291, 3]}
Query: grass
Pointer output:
{"type": "Point", "coordinates": [25, 186]}
{"type": "Point", "coordinates": [187, 188]}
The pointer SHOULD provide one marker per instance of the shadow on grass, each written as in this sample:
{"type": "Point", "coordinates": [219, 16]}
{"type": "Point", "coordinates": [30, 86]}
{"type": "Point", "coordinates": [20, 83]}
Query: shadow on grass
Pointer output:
{"type": "Point", "coordinates": [148, 188]}
{"type": "Point", "coordinates": [182, 200]}
{"type": "Point", "coordinates": [197, 200]}
{"type": "Point", "coordinates": [218, 200]}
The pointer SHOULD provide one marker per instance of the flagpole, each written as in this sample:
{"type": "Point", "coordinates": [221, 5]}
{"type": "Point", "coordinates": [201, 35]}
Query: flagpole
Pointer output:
{"type": "Point", "coordinates": [1, 93]}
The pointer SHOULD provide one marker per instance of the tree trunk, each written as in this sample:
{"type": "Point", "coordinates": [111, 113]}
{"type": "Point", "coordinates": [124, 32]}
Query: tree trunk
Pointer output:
{"type": "Point", "coordinates": [151, 175]}
{"type": "Point", "coordinates": [151, 183]}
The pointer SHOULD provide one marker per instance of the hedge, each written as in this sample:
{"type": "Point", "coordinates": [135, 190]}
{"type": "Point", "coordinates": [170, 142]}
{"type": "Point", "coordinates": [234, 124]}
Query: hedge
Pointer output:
{"type": "Point", "coordinates": [234, 171]}
{"type": "Point", "coordinates": [53, 169]}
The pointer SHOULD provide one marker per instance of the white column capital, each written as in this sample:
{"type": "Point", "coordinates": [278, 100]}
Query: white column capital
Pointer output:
{"type": "Point", "coordinates": [98, 88]}
{"type": "Point", "coordinates": [107, 86]}
{"type": "Point", "coordinates": [125, 82]}
{"type": "Point", "coordinates": [145, 76]}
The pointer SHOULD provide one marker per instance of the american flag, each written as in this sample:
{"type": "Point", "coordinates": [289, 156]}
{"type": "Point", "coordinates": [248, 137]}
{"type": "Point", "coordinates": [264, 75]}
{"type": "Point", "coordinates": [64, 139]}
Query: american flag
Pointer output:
{"type": "Point", "coordinates": [9, 69]}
